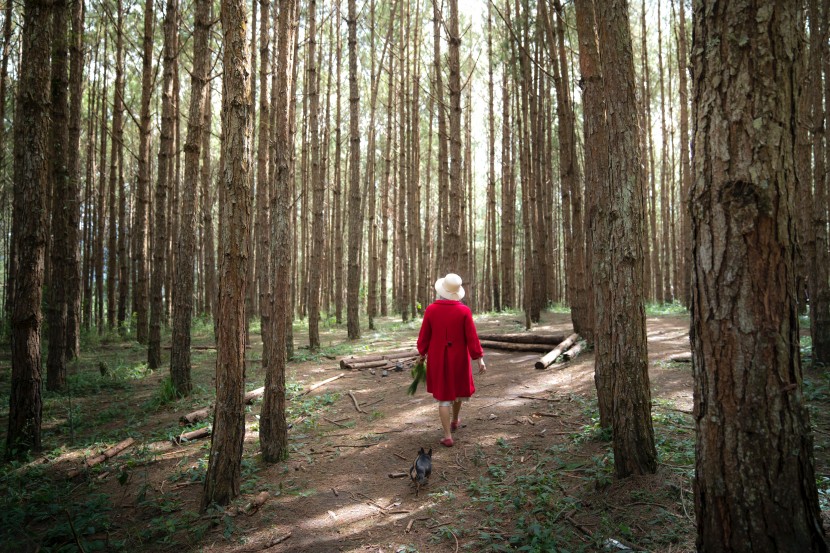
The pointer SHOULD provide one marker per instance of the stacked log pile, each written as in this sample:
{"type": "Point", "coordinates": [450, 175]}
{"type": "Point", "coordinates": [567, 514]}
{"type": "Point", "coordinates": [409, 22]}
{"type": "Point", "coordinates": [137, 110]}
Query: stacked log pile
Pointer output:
{"type": "Point", "coordinates": [552, 345]}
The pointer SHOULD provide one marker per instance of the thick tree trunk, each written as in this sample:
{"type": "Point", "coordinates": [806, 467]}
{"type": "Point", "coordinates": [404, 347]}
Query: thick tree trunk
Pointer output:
{"type": "Point", "coordinates": [273, 429]}
{"type": "Point", "coordinates": [755, 486]}
{"type": "Point", "coordinates": [31, 176]}
{"type": "Point", "coordinates": [185, 248]}
{"type": "Point", "coordinates": [263, 178]}
{"type": "Point", "coordinates": [222, 480]}
{"type": "Point", "coordinates": [618, 254]}
{"type": "Point", "coordinates": [211, 298]}
{"type": "Point", "coordinates": [683, 285]}
{"type": "Point", "coordinates": [142, 200]}
{"type": "Point", "coordinates": [61, 200]}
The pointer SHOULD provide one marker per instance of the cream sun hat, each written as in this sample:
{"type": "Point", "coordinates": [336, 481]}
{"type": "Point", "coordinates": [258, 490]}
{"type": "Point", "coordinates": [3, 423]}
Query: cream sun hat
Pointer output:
{"type": "Point", "coordinates": [450, 287]}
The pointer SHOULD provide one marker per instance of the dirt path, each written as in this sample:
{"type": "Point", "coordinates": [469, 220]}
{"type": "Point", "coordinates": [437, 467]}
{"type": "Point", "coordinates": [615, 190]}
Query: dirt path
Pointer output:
{"type": "Point", "coordinates": [334, 494]}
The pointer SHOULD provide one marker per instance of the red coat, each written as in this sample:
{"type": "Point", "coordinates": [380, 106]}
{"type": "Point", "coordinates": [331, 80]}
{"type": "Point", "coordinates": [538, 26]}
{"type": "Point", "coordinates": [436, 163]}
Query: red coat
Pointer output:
{"type": "Point", "coordinates": [449, 339]}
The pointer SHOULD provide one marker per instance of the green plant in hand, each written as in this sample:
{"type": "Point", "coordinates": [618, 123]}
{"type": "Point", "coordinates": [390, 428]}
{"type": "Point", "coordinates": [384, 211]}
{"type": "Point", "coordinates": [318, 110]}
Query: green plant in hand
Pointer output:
{"type": "Point", "coordinates": [419, 374]}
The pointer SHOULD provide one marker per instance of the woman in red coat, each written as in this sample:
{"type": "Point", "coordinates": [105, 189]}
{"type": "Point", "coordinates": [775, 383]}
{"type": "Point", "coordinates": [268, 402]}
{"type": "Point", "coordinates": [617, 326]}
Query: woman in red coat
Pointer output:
{"type": "Point", "coordinates": [448, 339]}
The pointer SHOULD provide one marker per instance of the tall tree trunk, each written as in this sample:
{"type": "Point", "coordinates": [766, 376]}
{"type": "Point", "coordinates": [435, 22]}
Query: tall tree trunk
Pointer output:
{"type": "Point", "coordinates": [185, 248]}
{"type": "Point", "coordinates": [618, 254]}
{"type": "Point", "coordinates": [101, 206]}
{"type": "Point", "coordinates": [61, 200]}
{"type": "Point", "coordinates": [386, 183]}
{"type": "Point", "coordinates": [355, 201]}
{"type": "Point", "coordinates": [73, 164]}
{"type": "Point", "coordinates": [654, 255]}
{"type": "Point", "coordinates": [263, 188]}
{"type": "Point", "coordinates": [443, 156]}
{"type": "Point", "coordinates": [453, 243]}
{"type": "Point", "coordinates": [755, 486]}
{"type": "Point", "coordinates": [508, 191]}
{"type": "Point", "coordinates": [338, 184]}
{"type": "Point", "coordinates": [491, 183]}
{"type": "Point", "coordinates": [115, 311]}
{"type": "Point", "coordinates": [316, 183]}
{"type": "Point", "coordinates": [819, 280]}
{"type": "Point", "coordinates": [211, 297]}
{"type": "Point", "coordinates": [165, 160]}
{"type": "Point", "coordinates": [222, 480]}
{"type": "Point", "coordinates": [141, 208]}
{"type": "Point", "coordinates": [273, 429]}
{"type": "Point", "coordinates": [685, 163]}
{"type": "Point", "coordinates": [8, 264]}
{"type": "Point", "coordinates": [665, 246]}
{"type": "Point", "coordinates": [31, 176]}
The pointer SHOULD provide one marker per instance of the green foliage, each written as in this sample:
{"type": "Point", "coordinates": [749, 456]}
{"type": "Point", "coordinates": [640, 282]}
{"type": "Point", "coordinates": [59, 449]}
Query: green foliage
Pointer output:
{"type": "Point", "coordinates": [673, 308]}
{"type": "Point", "coordinates": [165, 395]}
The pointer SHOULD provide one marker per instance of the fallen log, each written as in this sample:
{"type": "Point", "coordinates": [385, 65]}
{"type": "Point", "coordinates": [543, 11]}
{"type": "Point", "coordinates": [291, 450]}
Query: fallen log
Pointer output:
{"type": "Point", "coordinates": [523, 338]}
{"type": "Point", "coordinates": [508, 346]}
{"type": "Point", "coordinates": [195, 416]}
{"type": "Point", "coordinates": [321, 383]}
{"type": "Point", "coordinates": [254, 395]}
{"type": "Point", "coordinates": [574, 352]}
{"type": "Point", "coordinates": [98, 459]}
{"type": "Point", "coordinates": [548, 359]}
{"type": "Point", "coordinates": [192, 435]}
{"type": "Point", "coordinates": [365, 365]}
{"type": "Point", "coordinates": [353, 362]}
{"type": "Point", "coordinates": [680, 358]}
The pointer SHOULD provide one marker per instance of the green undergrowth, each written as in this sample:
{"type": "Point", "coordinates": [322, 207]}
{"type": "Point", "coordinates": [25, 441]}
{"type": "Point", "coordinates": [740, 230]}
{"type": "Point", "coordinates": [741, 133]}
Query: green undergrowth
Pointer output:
{"type": "Point", "coordinates": [660, 309]}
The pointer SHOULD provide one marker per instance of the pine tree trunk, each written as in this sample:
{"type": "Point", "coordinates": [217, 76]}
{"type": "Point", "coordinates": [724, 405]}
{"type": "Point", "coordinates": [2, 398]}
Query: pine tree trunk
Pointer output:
{"type": "Point", "coordinates": [31, 177]}
{"type": "Point", "coordinates": [355, 203]}
{"type": "Point", "coordinates": [142, 200]}
{"type": "Point", "coordinates": [684, 283]}
{"type": "Point", "coordinates": [618, 254]}
{"type": "Point", "coordinates": [116, 313]}
{"type": "Point", "coordinates": [665, 246]}
{"type": "Point", "coordinates": [755, 485]}
{"type": "Point", "coordinates": [656, 285]}
{"type": "Point", "coordinates": [508, 195]}
{"type": "Point", "coordinates": [316, 183]}
{"type": "Point", "coordinates": [101, 206]}
{"type": "Point", "coordinates": [73, 164]}
{"type": "Point", "coordinates": [8, 264]}
{"type": "Point", "coordinates": [165, 160]}
{"type": "Point", "coordinates": [61, 201]}
{"type": "Point", "coordinates": [211, 297]}
{"type": "Point", "coordinates": [819, 281]}
{"type": "Point", "coordinates": [180, 365]}
{"type": "Point", "coordinates": [386, 184]}
{"type": "Point", "coordinates": [222, 480]}
{"type": "Point", "coordinates": [453, 243]}
{"type": "Point", "coordinates": [492, 228]}
{"type": "Point", "coordinates": [273, 429]}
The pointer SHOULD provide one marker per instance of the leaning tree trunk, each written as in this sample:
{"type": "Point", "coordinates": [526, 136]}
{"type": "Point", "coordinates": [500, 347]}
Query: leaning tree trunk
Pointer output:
{"type": "Point", "coordinates": [618, 253]}
{"type": "Point", "coordinates": [186, 247]}
{"type": "Point", "coordinates": [755, 487]}
{"type": "Point", "coordinates": [355, 201]}
{"type": "Point", "coordinates": [61, 200]}
{"type": "Point", "coordinates": [31, 175]}
{"type": "Point", "coordinates": [222, 480]}
{"type": "Point", "coordinates": [165, 159]}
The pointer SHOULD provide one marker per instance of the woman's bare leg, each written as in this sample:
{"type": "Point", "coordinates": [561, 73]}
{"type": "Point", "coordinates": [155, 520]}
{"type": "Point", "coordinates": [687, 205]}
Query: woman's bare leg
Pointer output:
{"type": "Point", "coordinates": [444, 413]}
{"type": "Point", "coordinates": [456, 410]}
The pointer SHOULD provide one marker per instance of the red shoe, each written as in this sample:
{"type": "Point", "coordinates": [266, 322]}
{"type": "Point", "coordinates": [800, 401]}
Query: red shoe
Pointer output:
{"type": "Point", "coordinates": [447, 442]}
{"type": "Point", "coordinates": [455, 424]}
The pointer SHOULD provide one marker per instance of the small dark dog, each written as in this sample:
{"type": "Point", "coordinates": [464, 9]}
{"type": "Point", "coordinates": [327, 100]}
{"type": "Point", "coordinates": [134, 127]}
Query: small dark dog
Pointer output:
{"type": "Point", "coordinates": [421, 469]}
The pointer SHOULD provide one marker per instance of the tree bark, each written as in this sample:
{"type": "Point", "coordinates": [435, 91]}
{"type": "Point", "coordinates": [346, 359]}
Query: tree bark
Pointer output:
{"type": "Point", "coordinates": [355, 201]}
{"type": "Point", "coordinates": [755, 486]}
{"type": "Point", "coordinates": [165, 159]}
{"type": "Point", "coordinates": [211, 297]}
{"type": "Point", "coordinates": [141, 208]}
{"type": "Point", "coordinates": [116, 274]}
{"type": "Point", "coordinates": [452, 240]}
{"type": "Point", "coordinates": [180, 366]}
{"type": "Point", "coordinates": [222, 480]}
{"type": "Point", "coordinates": [61, 200]}
{"type": "Point", "coordinates": [273, 428]}
{"type": "Point", "coordinates": [618, 254]}
{"type": "Point", "coordinates": [316, 183]}
{"type": "Point", "coordinates": [31, 174]}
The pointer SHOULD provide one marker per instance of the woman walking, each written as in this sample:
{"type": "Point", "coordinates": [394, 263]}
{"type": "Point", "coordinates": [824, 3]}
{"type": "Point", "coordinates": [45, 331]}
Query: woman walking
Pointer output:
{"type": "Point", "coordinates": [448, 339]}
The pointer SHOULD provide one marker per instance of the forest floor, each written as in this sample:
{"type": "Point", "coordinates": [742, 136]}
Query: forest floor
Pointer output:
{"type": "Point", "coordinates": [530, 468]}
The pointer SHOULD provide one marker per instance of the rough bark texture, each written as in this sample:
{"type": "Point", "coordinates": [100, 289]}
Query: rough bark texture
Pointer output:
{"type": "Point", "coordinates": [273, 429]}
{"type": "Point", "coordinates": [317, 185]}
{"type": "Point", "coordinates": [61, 200]}
{"type": "Point", "coordinates": [142, 199]}
{"type": "Point", "coordinates": [31, 174]}
{"type": "Point", "coordinates": [211, 299]}
{"type": "Point", "coordinates": [453, 243]}
{"type": "Point", "coordinates": [73, 164]}
{"type": "Point", "coordinates": [355, 200]}
{"type": "Point", "coordinates": [819, 266]}
{"type": "Point", "coordinates": [618, 253]}
{"type": "Point", "coordinates": [596, 158]}
{"type": "Point", "coordinates": [165, 159]}
{"type": "Point", "coordinates": [116, 310]}
{"type": "Point", "coordinates": [186, 246]}
{"type": "Point", "coordinates": [222, 480]}
{"type": "Point", "coordinates": [684, 283]}
{"type": "Point", "coordinates": [264, 185]}
{"type": "Point", "coordinates": [755, 487]}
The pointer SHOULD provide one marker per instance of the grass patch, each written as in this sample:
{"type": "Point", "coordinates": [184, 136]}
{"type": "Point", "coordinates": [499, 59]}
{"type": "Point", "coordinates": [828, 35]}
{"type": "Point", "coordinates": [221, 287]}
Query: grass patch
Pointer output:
{"type": "Point", "coordinates": [662, 309]}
